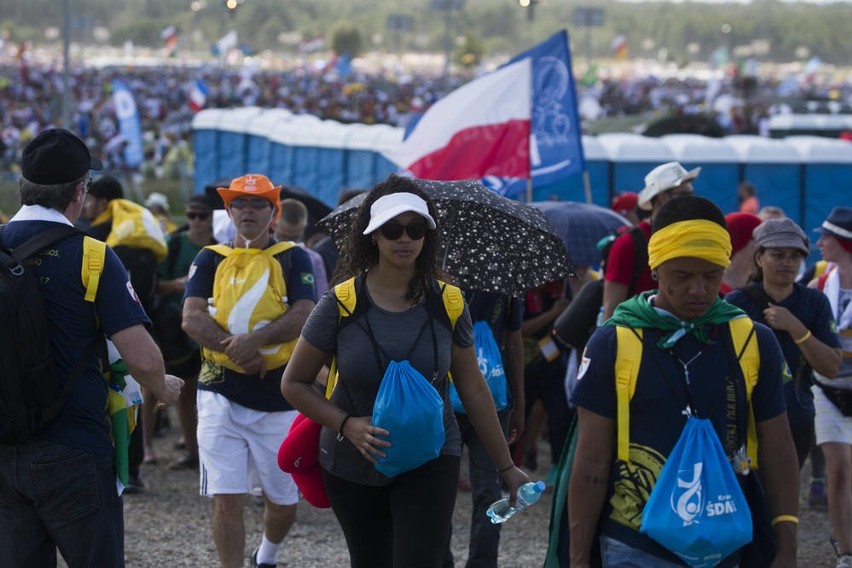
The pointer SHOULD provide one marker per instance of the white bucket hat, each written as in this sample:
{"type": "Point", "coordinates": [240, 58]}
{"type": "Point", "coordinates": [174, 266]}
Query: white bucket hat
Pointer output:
{"type": "Point", "coordinates": [663, 178]}
{"type": "Point", "coordinates": [389, 206]}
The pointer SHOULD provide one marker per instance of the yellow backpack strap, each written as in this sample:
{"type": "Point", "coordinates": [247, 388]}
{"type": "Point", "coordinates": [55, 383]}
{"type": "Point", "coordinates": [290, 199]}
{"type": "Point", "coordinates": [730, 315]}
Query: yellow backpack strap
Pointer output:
{"type": "Point", "coordinates": [628, 358]}
{"type": "Point", "coordinates": [453, 302]}
{"type": "Point", "coordinates": [278, 248]}
{"type": "Point", "coordinates": [94, 253]}
{"type": "Point", "coordinates": [346, 301]}
{"type": "Point", "coordinates": [224, 250]}
{"type": "Point", "coordinates": [748, 354]}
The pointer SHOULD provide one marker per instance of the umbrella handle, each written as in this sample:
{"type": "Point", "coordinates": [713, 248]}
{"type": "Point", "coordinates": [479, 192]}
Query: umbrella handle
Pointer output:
{"type": "Point", "coordinates": [444, 243]}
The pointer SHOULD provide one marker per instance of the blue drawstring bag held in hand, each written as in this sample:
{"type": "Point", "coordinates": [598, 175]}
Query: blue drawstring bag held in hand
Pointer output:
{"type": "Point", "coordinates": [490, 365]}
{"type": "Point", "coordinates": [697, 509]}
{"type": "Point", "coordinates": [410, 408]}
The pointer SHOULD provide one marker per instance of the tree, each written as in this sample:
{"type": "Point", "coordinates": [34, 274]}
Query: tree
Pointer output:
{"type": "Point", "coordinates": [346, 38]}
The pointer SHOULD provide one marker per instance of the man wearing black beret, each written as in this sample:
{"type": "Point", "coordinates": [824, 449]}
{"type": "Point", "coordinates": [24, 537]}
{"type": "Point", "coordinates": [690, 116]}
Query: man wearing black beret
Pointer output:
{"type": "Point", "coordinates": [58, 488]}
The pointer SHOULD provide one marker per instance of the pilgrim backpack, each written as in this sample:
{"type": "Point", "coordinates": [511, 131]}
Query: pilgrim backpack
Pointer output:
{"type": "Point", "coordinates": [249, 292]}
{"type": "Point", "coordinates": [349, 309]}
{"type": "Point", "coordinates": [627, 363]}
{"type": "Point", "coordinates": [31, 394]}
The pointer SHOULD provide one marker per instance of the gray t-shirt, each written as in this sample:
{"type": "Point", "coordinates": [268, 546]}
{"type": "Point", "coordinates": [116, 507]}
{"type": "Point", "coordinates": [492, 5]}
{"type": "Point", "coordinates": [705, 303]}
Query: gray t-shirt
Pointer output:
{"type": "Point", "coordinates": [360, 374]}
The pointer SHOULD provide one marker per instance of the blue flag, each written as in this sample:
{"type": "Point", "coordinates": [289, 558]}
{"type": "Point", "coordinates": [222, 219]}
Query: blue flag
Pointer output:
{"type": "Point", "coordinates": [556, 143]}
{"type": "Point", "coordinates": [128, 123]}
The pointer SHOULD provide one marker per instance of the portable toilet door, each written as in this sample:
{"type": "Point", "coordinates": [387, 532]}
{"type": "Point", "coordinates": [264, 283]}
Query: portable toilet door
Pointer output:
{"type": "Point", "coordinates": [205, 145]}
{"type": "Point", "coordinates": [233, 141]}
{"type": "Point", "coordinates": [319, 159]}
{"type": "Point", "coordinates": [826, 171]}
{"type": "Point", "coordinates": [282, 149]}
{"type": "Point", "coordinates": [631, 157]}
{"type": "Point", "coordinates": [719, 162]}
{"type": "Point", "coordinates": [774, 167]}
{"type": "Point", "coordinates": [259, 143]}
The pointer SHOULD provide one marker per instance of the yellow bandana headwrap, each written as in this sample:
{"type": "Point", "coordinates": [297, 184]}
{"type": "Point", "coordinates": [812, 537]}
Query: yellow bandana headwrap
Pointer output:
{"type": "Point", "coordinates": [697, 238]}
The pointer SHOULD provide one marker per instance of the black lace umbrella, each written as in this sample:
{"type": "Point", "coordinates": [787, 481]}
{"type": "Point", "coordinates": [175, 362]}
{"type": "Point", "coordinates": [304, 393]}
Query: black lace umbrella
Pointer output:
{"type": "Point", "coordinates": [491, 243]}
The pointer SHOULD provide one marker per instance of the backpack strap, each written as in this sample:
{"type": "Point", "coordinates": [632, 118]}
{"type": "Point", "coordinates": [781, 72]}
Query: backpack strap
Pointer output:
{"type": "Point", "coordinates": [223, 250]}
{"type": "Point", "coordinates": [94, 253]}
{"type": "Point", "coordinates": [453, 302]}
{"type": "Point", "coordinates": [748, 356]}
{"type": "Point", "coordinates": [628, 359]}
{"type": "Point", "coordinates": [347, 298]}
{"type": "Point", "coordinates": [280, 247]}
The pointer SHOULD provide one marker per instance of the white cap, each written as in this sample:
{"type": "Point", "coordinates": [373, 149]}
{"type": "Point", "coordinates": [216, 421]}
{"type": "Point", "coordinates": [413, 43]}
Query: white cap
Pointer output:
{"type": "Point", "coordinates": [663, 178]}
{"type": "Point", "coordinates": [157, 199]}
{"type": "Point", "coordinates": [389, 206]}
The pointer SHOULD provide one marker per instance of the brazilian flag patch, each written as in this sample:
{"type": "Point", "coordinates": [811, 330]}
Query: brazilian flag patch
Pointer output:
{"type": "Point", "coordinates": [307, 278]}
{"type": "Point", "coordinates": [786, 375]}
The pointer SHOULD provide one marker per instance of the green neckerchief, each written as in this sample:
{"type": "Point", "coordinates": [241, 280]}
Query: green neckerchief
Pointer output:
{"type": "Point", "coordinates": [637, 312]}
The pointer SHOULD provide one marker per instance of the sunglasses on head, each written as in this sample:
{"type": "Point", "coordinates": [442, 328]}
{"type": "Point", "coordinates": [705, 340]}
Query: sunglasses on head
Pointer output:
{"type": "Point", "coordinates": [253, 202]}
{"type": "Point", "coordinates": [201, 216]}
{"type": "Point", "coordinates": [416, 230]}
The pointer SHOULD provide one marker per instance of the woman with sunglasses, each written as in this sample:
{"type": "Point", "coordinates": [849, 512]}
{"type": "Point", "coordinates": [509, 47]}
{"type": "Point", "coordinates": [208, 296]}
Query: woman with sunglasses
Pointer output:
{"type": "Point", "coordinates": [182, 355]}
{"type": "Point", "coordinates": [393, 252]}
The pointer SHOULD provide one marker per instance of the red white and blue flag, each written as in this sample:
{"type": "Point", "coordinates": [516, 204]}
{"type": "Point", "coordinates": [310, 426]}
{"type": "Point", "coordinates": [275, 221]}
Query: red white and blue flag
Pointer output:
{"type": "Point", "coordinates": [517, 123]}
{"type": "Point", "coordinates": [198, 95]}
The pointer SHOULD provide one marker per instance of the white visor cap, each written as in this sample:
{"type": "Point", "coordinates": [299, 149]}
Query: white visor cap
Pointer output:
{"type": "Point", "coordinates": [389, 206]}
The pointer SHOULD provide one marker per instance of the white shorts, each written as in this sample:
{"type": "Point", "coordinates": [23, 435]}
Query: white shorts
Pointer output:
{"type": "Point", "coordinates": [830, 424]}
{"type": "Point", "coordinates": [238, 449]}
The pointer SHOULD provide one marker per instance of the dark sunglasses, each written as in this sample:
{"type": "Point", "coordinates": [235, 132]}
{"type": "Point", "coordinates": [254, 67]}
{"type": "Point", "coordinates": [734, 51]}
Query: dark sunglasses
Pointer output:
{"type": "Point", "coordinates": [416, 230]}
{"type": "Point", "coordinates": [253, 202]}
{"type": "Point", "coordinates": [201, 216]}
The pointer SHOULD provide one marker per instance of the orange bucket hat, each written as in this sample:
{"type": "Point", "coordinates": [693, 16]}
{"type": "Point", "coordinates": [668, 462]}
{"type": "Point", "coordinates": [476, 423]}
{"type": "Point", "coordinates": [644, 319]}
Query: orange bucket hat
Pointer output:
{"type": "Point", "coordinates": [252, 185]}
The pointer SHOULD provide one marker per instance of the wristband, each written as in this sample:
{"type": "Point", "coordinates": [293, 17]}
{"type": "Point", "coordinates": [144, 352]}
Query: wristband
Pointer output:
{"type": "Point", "coordinates": [342, 424]}
{"type": "Point", "coordinates": [505, 469]}
{"type": "Point", "coordinates": [802, 339]}
{"type": "Point", "coordinates": [785, 519]}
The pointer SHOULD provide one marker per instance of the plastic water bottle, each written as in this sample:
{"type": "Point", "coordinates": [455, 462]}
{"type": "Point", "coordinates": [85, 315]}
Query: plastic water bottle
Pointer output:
{"type": "Point", "coordinates": [528, 494]}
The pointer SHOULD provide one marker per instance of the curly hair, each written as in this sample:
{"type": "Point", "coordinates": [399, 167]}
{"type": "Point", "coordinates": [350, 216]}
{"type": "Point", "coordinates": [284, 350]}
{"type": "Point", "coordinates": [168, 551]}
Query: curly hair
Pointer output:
{"type": "Point", "coordinates": [359, 253]}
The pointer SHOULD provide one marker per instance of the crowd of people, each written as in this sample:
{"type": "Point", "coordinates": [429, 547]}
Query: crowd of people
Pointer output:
{"type": "Point", "coordinates": [31, 96]}
{"type": "Point", "coordinates": [259, 334]}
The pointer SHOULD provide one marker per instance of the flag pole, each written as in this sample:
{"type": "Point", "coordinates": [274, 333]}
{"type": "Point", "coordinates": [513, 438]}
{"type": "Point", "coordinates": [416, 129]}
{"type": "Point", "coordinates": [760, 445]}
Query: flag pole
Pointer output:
{"type": "Point", "coordinates": [529, 189]}
{"type": "Point", "coordinates": [587, 185]}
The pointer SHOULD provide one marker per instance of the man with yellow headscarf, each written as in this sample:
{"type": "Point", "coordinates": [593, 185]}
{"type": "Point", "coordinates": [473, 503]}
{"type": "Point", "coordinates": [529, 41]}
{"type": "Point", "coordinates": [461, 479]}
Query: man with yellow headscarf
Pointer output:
{"type": "Point", "coordinates": [687, 362]}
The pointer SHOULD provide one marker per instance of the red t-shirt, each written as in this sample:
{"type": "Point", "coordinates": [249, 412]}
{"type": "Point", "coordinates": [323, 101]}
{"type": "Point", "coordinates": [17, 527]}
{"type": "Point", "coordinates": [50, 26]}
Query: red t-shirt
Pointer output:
{"type": "Point", "coordinates": [619, 265]}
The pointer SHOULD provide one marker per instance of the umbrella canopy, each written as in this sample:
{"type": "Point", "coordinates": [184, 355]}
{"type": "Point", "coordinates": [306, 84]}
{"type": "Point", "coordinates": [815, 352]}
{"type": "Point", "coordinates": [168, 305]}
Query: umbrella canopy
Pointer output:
{"type": "Point", "coordinates": [491, 243]}
{"type": "Point", "coordinates": [581, 226]}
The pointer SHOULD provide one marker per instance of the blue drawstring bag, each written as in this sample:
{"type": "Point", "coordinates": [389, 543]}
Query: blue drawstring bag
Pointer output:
{"type": "Point", "coordinates": [697, 509]}
{"type": "Point", "coordinates": [490, 365]}
{"type": "Point", "coordinates": [412, 411]}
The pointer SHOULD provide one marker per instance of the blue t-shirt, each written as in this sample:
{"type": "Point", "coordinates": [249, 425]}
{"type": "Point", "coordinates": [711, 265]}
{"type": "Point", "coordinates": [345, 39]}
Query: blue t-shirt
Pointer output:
{"type": "Point", "coordinates": [811, 307]}
{"type": "Point", "coordinates": [250, 391]}
{"type": "Point", "coordinates": [656, 410]}
{"type": "Point", "coordinates": [82, 423]}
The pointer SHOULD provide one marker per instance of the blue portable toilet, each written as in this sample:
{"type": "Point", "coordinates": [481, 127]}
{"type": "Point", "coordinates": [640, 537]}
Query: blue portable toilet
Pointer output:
{"type": "Point", "coordinates": [363, 145]}
{"type": "Point", "coordinates": [826, 175]}
{"type": "Point", "coordinates": [631, 157]}
{"type": "Point", "coordinates": [281, 150]}
{"type": "Point", "coordinates": [774, 167]}
{"type": "Point", "coordinates": [319, 160]}
{"type": "Point", "coordinates": [259, 148]}
{"type": "Point", "coordinates": [719, 162]}
{"type": "Point", "coordinates": [233, 141]}
{"type": "Point", "coordinates": [386, 141]}
{"type": "Point", "coordinates": [205, 142]}
{"type": "Point", "coordinates": [573, 188]}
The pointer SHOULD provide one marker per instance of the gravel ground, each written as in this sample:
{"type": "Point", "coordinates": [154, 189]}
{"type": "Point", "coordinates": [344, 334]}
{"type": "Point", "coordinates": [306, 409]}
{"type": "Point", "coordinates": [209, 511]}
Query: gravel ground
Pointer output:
{"type": "Point", "coordinates": [169, 525]}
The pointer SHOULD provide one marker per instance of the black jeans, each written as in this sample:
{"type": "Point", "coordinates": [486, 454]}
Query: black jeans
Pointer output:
{"type": "Point", "coordinates": [403, 525]}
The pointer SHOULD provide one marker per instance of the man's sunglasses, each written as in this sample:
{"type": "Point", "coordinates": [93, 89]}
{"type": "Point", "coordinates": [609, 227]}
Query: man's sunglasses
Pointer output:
{"type": "Point", "coordinates": [194, 216]}
{"type": "Point", "coordinates": [416, 230]}
{"type": "Point", "coordinates": [253, 202]}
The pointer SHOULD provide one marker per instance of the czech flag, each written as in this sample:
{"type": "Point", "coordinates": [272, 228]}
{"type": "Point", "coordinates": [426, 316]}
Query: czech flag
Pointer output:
{"type": "Point", "coordinates": [516, 124]}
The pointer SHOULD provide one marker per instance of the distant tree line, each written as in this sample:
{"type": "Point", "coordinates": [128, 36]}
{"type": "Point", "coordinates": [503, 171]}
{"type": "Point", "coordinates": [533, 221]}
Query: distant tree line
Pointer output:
{"type": "Point", "coordinates": [682, 32]}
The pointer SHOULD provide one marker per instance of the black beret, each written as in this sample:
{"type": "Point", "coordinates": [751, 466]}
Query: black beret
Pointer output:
{"type": "Point", "coordinates": [57, 156]}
